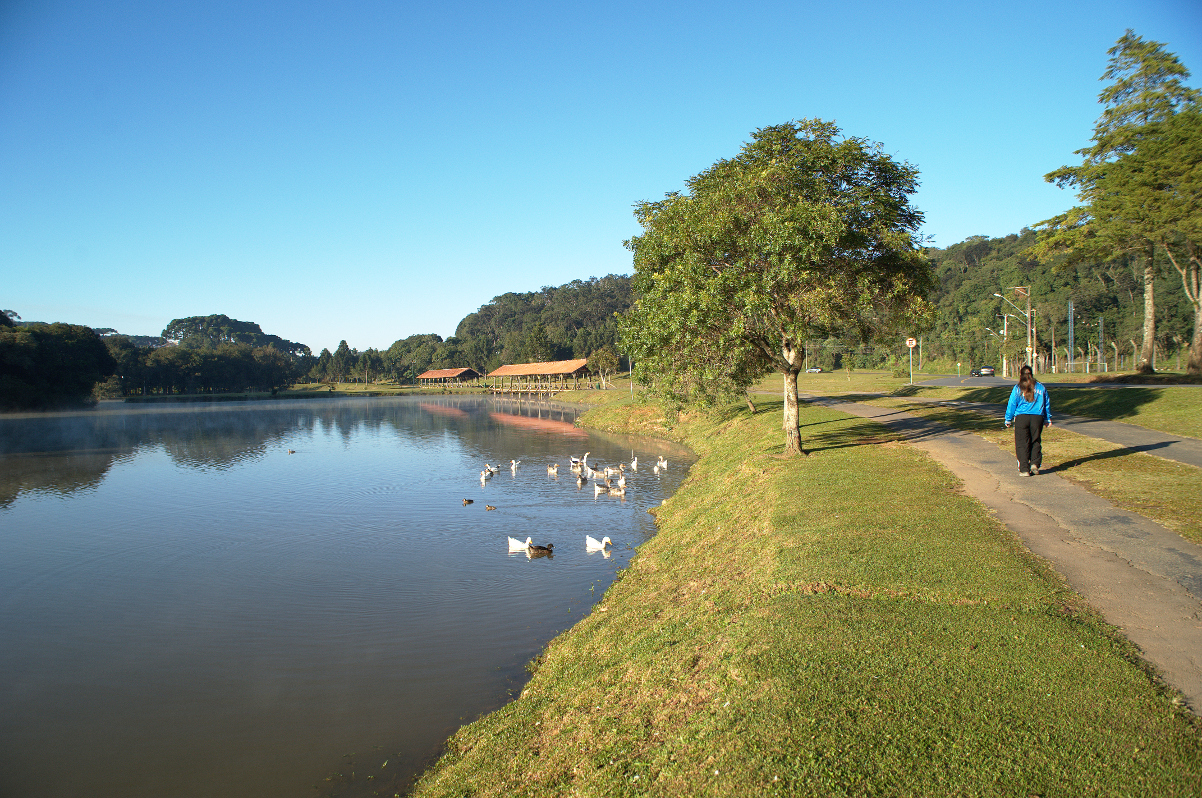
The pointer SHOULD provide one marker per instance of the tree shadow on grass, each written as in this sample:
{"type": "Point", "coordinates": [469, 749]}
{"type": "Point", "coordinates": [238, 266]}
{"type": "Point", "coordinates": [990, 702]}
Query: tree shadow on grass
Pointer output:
{"type": "Point", "coordinates": [858, 433]}
{"type": "Point", "coordinates": [1124, 452]}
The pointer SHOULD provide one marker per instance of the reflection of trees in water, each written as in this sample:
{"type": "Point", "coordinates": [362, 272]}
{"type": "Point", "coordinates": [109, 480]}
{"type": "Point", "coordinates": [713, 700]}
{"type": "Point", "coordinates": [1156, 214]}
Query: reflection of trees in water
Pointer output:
{"type": "Point", "coordinates": [68, 452]}
{"type": "Point", "coordinates": [56, 473]}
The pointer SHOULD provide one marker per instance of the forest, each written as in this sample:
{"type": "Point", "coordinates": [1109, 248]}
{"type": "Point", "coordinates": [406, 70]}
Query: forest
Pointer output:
{"type": "Point", "coordinates": [216, 354]}
{"type": "Point", "coordinates": [973, 325]}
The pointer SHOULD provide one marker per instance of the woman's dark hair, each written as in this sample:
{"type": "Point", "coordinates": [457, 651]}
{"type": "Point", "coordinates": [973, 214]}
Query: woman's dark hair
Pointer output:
{"type": "Point", "coordinates": [1026, 382]}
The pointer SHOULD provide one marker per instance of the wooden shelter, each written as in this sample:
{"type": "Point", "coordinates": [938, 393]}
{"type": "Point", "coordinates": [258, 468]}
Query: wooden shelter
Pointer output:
{"type": "Point", "coordinates": [538, 377]}
{"type": "Point", "coordinates": [447, 376]}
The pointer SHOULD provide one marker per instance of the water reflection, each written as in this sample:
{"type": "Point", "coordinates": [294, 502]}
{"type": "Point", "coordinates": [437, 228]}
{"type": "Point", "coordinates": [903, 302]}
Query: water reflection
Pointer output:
{"type": "Point", "coordinates": [189, 609]}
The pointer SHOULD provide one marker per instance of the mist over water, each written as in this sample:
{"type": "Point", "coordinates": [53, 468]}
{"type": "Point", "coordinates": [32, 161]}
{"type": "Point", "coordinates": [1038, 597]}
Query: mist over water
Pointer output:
{"type": "Point", "coordinates": [189, 610]}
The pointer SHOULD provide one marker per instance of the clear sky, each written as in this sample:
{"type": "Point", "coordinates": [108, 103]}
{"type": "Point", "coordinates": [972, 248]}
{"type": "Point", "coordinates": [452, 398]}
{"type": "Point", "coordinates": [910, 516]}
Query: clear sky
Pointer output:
{"type": "Point", "coordinates": [371, 170]}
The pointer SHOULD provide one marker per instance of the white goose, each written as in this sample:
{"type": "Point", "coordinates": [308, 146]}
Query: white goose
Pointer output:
{"type": "Point", "coordinates": [634, 464]}
{"type": "Point", "coordinates": [513, 465]}
{"type": "Point", "coordinates": [517, 545]}
{"type": "Point", "coordinates": [592, 544]}
{"type": "Point", "coordinates": [553, 470]}
{"type": "Point", "coordinates": [662, 463]}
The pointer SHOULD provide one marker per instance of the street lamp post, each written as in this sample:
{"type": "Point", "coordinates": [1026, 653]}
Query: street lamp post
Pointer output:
{"type": "Point", "coordinates": [1026, 291]}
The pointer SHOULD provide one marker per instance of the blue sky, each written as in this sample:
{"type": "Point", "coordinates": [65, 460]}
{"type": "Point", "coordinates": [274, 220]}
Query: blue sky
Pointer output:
{"type": "Point", "coordinates": [371, 170]}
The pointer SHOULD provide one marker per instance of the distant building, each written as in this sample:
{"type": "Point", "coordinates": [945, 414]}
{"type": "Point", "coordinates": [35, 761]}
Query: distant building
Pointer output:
{"type": "Point", "coordinates": [447, 376]}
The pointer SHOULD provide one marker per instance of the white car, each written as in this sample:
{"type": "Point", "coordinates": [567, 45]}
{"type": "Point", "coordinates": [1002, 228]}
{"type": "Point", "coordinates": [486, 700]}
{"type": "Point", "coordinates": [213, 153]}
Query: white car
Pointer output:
{"type": "Point", "coordinates": [814, 370]}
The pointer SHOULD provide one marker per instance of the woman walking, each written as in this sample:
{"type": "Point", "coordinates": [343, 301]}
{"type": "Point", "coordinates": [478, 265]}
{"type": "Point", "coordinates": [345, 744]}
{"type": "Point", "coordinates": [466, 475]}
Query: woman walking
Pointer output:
{"type": "Point", "coordinates": [1029, 409]}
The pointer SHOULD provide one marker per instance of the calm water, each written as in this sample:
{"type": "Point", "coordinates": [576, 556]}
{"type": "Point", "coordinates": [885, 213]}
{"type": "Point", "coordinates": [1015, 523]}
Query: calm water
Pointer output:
{"type": "Point", "coordinates": [186, 609]}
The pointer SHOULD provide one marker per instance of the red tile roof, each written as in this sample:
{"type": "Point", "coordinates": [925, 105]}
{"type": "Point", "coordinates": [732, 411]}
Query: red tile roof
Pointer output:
{"type": "Point", "coordinates": [540, 369]}
{"type": "Point", "coordinates": [441, 374]}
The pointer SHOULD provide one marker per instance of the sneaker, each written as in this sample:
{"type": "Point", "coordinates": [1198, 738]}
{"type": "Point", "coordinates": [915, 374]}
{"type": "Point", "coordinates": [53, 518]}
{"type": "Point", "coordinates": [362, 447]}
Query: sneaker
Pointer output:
{"type": "Point", "coordinates": [1024, 473]}
{"type": "Point", "coordinates": [1034, 471]}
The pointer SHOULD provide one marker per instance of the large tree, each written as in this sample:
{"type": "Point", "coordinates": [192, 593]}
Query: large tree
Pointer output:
{"type": "Point", "coordinates": [804, 234]}
{"type": "Point", "coordinates": [1155, 191]}
{"type": "Point", "coordinates": [1147, 90]}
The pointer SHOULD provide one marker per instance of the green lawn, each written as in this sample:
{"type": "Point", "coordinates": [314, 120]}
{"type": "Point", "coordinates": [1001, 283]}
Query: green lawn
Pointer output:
{"type": "Point", "coordinates": [841, 624]}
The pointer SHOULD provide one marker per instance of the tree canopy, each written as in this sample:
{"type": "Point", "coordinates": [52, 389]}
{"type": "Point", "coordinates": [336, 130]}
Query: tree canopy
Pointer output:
{"type": "Point", "coordinates": [804, 234]}
{"type": "Point", "coordinates": [210, 332]}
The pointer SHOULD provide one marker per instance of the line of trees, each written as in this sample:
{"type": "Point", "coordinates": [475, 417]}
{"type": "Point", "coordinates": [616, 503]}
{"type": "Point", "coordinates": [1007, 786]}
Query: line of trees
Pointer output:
{"type": "Point", "coordinates": [226, 368]}
{"type": "Point", "coordinates": [45, 366]}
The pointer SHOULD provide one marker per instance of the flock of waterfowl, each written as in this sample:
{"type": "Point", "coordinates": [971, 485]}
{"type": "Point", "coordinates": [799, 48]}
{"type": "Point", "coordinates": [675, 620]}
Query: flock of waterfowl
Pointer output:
{"type": "Point", "coordinates": [607, 480]}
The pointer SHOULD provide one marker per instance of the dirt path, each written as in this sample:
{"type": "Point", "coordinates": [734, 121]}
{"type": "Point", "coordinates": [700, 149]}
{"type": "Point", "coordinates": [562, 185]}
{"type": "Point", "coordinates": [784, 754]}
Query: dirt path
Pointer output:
{"type": "Point", "coordinates": [1142, 577]}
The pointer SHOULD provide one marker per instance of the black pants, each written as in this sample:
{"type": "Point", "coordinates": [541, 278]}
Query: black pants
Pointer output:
{"type": "Point", "coordinates": [1027, 429]}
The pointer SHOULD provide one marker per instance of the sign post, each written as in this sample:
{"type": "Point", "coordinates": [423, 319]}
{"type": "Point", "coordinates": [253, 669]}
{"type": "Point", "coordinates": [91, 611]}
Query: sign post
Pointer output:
{"type": "Point", "coordinates": [910, 342]}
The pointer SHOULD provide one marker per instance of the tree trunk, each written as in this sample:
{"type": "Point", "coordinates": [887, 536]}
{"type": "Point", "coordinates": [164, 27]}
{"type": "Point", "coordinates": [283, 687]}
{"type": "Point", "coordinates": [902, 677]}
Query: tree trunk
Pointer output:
{"type": "Point", "coordinates": [1194, 366]}
{"type": "Point", "coordinates": [792, 362]}
{"type": "Point", "coordinates": [1147, 354]}
{"type": "Point", "coordinates": [792, 419]}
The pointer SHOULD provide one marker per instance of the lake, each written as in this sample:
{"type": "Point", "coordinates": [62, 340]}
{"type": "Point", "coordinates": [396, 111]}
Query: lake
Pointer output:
{"type": "Point", "coordinates": [264, 598]}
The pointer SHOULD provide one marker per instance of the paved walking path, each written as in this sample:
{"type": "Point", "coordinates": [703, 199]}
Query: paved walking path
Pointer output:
{"type": "Point", "coordinates": [1138, 439]}
{"type": "Point", "coordinates": [1143, 578]}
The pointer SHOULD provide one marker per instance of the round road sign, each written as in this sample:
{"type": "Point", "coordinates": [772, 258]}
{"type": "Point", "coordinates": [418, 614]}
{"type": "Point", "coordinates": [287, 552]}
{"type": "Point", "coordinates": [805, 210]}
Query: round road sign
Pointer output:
{"type": "Point", "coordinates": [910, 342]}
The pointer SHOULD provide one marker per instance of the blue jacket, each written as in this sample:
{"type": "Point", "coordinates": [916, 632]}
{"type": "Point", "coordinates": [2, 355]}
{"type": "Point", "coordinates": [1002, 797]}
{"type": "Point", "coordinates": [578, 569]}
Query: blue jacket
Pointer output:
{"type": "Point", "coordinates": [1040, 404]}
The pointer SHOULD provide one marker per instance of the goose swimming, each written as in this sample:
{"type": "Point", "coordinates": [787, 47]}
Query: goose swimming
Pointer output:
{"type": "Point", "coordinates": [553, 470]}
{"type": "Point", "coordinates": [517, 545]}
{"type": "Point", "coordinates": [489, 507]}
{"type": "Point", "coordinates": [466, 502]}
{"type": "Point", "coordinates": [536, 549]}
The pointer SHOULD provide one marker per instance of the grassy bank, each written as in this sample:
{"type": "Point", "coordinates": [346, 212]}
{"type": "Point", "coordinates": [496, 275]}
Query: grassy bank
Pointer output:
{"type": "Point", "coordinates": [842, 624]}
